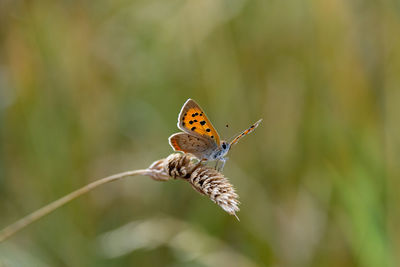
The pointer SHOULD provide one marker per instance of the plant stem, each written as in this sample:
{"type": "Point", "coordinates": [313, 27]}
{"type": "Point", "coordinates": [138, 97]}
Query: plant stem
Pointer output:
{"type": "Point", "coordinates": [36, 215]}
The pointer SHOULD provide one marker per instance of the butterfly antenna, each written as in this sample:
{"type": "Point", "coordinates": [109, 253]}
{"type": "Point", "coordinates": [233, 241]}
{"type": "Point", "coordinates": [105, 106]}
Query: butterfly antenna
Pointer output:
{"type": "Point", "coordinates": [243, 133]}
{"type": "Point", "coordinates": [230, 139]}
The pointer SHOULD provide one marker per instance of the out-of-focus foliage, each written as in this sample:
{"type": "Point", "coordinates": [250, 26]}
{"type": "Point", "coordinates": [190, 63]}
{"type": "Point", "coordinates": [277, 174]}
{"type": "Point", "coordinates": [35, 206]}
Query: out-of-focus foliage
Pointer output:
{"type": "Point", "coordinates": [91, 88]}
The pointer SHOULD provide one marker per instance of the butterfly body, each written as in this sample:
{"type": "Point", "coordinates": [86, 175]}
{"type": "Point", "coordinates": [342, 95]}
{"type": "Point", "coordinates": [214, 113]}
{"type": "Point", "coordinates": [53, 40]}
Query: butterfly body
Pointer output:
{"type": "Point", "coordinates": [199, 137]}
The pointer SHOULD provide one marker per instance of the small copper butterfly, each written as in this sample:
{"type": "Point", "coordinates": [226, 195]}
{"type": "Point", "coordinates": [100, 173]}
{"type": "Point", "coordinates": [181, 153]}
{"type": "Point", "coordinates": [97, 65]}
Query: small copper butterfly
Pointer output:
{"type": "Point", "coordinates": [199, 137]}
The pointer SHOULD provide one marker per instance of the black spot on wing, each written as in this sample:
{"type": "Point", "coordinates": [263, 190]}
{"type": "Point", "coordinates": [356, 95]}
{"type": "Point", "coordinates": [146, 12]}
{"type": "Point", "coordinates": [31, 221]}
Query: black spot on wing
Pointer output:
{"type": "Point", "coordinates": [203, 122]}
{"type": "Point", "coordinates": [191, 122]}
{"type": "Point", "coordinates": [208, 130]}
{"type": "Point", "coordinates": [193, 128]}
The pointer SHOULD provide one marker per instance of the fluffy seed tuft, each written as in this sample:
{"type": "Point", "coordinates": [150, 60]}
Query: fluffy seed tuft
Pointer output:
{"type": "Point", "coordinates": [203, 179]}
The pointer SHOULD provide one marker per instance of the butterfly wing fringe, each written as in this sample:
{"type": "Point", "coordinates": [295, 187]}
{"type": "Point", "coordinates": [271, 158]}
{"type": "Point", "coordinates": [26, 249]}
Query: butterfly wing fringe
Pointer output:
{"type": "Point", "coordinates": [203, 179]}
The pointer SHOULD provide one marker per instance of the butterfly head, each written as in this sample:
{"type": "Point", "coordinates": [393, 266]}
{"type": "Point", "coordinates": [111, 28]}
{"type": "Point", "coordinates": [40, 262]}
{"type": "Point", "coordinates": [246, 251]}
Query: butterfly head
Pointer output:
{"type": "Point", "coordinates": [221, 151]}
{"type": "Point", "coordinates": [225, 146]}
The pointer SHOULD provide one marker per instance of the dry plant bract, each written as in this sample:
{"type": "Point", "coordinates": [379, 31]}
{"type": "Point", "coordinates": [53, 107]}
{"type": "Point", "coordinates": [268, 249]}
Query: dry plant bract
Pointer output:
{"type": "Point", "coordinates": [203, 179]}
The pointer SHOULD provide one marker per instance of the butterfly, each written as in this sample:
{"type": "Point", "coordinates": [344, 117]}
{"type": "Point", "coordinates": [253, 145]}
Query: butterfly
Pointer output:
{"type": "Point", "coordinates": [199, 137]}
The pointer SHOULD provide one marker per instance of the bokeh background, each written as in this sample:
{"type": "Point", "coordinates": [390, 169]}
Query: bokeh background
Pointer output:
{"type": "Point", "coordinates": [88, 89]}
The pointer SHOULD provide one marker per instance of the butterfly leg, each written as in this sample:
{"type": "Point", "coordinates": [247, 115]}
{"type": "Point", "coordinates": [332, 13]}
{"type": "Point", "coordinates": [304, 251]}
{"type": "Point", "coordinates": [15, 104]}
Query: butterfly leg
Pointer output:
{"type": "Point", "coordinates": [216, 164]}
{"type": "Point", "coordinates": [223, 160]}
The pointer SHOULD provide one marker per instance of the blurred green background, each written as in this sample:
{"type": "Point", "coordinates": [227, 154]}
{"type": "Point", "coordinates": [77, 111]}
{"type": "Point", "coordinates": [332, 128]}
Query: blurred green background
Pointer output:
{"type": "Point", "coordinates": [92, 88]}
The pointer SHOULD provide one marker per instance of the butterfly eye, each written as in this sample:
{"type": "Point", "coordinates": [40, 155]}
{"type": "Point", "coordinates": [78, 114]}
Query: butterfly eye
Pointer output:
{"type": "Point", "coordinates": [224, 146]}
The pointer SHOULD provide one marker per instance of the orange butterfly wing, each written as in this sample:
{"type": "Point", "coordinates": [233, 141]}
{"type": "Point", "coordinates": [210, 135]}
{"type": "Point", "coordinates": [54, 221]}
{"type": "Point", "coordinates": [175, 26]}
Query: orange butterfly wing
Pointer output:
{"type": "Point", "coordinates": [193, 120]}
{"type": "Point", "coordinates": [174, 142]}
